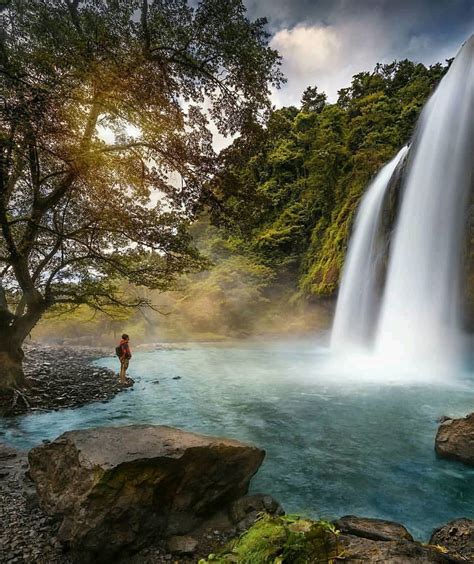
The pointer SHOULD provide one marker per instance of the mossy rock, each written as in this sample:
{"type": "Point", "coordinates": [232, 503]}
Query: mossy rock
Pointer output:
{"type": "Point", "coordinates": [282, 540]}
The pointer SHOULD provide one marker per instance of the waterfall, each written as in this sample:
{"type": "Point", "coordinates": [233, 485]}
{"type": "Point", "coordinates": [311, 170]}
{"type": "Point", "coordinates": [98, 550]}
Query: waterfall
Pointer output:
{"type": "Point", "coordinates": [419, 317]}
{"type": "Point", "coordinates": [357, 302]}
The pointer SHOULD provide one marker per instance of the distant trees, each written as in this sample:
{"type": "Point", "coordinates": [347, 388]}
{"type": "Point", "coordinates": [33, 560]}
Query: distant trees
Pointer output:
{"type": "Point", "coordinates": [104, 146]}
{"type": "Point", "coordinates": [286, 194]}
{"type": "Point", "coordinates": [312, 100]}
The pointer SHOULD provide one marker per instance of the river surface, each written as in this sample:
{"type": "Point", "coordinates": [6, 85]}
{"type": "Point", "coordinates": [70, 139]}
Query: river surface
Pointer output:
{"type": "Point", "coordinates": [348, 440]}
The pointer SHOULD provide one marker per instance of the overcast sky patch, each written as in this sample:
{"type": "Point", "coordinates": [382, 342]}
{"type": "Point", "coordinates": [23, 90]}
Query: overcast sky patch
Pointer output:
{"type": "Point", "coordinates": [325, 42]}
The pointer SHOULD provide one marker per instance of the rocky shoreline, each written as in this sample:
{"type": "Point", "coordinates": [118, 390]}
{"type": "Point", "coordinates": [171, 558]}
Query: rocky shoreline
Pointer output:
{"type": "Point", "coordinates": [56, 507]}
{"type": "Point", "coordinates": [63, 377]}
{"type": "Point", "coordinates": [29, 535]}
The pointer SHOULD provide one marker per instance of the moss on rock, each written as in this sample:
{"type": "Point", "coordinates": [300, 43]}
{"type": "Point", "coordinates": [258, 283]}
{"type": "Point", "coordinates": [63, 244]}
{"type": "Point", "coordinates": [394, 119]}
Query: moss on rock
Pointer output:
{"type": "Point", "coordinates": [282, 540]}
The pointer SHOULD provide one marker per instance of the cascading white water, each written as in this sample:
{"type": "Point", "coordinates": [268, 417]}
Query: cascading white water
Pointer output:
{"type": "Point", "coordinates": [357, 301]}
{"type": "Point", "coordinates": [419, 314]}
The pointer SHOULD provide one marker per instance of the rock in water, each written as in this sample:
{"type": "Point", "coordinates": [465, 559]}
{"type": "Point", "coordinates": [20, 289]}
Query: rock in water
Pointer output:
{"type": "Point", "coordinates": [116, 489]}
{"type": "Point", "coordinates": [458, 536]}
{"type": "Point", "coordinates": [455, 439]}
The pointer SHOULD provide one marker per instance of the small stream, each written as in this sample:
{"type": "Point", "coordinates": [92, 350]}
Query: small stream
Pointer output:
{"type": "Point", "coordinates": [348, 443]}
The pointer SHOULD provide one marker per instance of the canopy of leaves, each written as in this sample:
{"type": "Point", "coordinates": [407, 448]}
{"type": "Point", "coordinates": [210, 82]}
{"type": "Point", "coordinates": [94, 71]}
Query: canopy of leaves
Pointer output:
{"type": "Point", "coordinates": [288, 191]}
{"type": "Point", "coordinates": [104, 145]}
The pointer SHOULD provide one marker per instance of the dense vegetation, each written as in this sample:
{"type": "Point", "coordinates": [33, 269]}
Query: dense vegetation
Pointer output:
{"type": "Point", "coordinates": [282, 540]}
{"type": "Point", "coordinates": [287, 193]}
{"type": "Point", "coordinates": [277, 216]}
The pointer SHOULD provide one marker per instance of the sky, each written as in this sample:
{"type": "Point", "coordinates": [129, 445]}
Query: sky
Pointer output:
{"type": "Point", "coordinates": [326, 42]}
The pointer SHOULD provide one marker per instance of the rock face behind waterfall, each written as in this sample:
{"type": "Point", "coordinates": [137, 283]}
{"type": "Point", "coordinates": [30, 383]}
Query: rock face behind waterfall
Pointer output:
{"type": "Point", "coordinates": [116, 489]}
{"type": "Point", "coordinates": [455, 439]}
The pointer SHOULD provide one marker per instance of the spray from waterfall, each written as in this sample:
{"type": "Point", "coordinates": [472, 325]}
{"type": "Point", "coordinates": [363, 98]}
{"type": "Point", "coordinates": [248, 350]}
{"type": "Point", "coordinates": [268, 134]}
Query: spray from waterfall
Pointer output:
{"type": "Point", "coordinates": [358, 300]}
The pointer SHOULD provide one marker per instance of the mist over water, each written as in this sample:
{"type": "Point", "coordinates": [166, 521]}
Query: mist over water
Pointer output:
{"type": "Point", "coordinates": [418, 322]}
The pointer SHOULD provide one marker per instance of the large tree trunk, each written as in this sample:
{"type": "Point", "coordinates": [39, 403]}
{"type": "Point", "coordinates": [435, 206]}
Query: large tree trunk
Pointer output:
{"type": "Point", "coordinates": [13, 332]}
{"type": "Point", "coordinates": [11, 367]}
{"type": "Point", "coordinates": [13, 399]}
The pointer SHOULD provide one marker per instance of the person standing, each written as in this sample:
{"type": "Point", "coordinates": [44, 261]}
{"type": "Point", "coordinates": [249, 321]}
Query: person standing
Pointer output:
{"type": "Point", "coordinates": [124, 356]}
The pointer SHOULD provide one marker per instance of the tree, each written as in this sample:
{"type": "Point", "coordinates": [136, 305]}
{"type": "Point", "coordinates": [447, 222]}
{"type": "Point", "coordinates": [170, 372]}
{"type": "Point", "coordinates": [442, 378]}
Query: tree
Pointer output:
{"type": "Point", "coordinates": [104, 145]}
{"type": "Point", "coordinates": [312, 100]}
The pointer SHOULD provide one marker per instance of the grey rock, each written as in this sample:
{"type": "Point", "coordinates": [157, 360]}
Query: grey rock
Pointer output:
{"type": "Point", "coordinates": [182, 545]}
{"type": "Point", "coordinates": [374, 529]}
{"type": "Point", "coordinates": [253, 505]}
{"type": "Point", "coordinates": [455, 439]}
{"type": "Point", "coordinates": [132, 484]}
{"type": "Point", "coordinates": [247, 521]}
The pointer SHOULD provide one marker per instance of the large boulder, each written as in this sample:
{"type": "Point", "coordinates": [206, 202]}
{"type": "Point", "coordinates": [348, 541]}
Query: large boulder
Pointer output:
{"type": "Point", "coordinates": [457, 536]}
{"type": "Point", "coordinates": [455, 439]}
{"type": "Point", "coordinates": [116, 489]}
{"type": "Point", "coordinates": [374, 529]}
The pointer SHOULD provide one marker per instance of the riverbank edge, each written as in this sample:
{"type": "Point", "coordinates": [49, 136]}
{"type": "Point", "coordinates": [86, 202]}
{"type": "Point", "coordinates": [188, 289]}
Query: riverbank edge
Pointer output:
{"type": "Point", "coordinates": [62, 377]}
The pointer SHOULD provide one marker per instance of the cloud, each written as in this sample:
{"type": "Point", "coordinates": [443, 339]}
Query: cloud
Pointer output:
{"type": "Point", "coordinates": [326, 56]}
{"type": "Point", "coordinates": [326, 42]}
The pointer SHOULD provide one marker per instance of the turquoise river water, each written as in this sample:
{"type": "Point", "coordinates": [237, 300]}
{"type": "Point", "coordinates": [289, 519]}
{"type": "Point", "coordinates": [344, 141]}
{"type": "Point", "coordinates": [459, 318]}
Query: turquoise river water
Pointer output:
{"type": "Point", "coordinates": [341, 438]}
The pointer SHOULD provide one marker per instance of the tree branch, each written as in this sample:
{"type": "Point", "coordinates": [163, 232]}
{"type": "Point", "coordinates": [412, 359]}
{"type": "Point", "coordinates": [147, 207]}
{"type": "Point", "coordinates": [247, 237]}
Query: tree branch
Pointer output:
{"type": "Point", "coordinates": [146, 31]}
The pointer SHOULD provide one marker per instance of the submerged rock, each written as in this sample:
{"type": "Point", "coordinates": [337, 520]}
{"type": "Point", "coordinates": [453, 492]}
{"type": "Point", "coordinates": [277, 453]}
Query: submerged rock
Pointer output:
{"type": "Point", "coordinates": [374, 529]}
{"type": "Point", "coordinates": [116, 489]}
{"type": "Point", "coordinates": [457, 536]}
{"type": "Point", "coordinates": [455, 439]}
